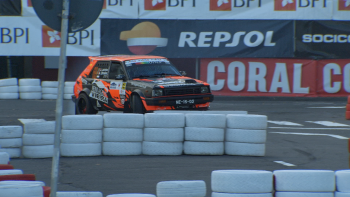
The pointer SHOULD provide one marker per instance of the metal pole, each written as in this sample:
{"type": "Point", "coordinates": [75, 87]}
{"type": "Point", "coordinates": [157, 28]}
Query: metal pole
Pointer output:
{"type": "Point", "coordinates": [59, 101]}
{"type": "Point", "coordinates": [9, 72]}
{"type": "Point", "coordinates": [197, 68]}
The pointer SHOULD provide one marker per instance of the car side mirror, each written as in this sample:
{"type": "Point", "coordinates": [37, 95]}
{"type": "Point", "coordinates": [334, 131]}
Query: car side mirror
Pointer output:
{"type": "Point", "coordinates": [120, 77]}
{"type": "Point", "coordinates": [183, 73]}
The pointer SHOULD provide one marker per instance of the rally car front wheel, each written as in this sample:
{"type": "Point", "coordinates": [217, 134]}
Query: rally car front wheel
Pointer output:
{"type": "Point", "coordinates": [84, 106]}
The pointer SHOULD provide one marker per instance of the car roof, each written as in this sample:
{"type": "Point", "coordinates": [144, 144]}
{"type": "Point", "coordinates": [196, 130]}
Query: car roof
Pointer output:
{"type": "Point", "coordinates": [124, 57]}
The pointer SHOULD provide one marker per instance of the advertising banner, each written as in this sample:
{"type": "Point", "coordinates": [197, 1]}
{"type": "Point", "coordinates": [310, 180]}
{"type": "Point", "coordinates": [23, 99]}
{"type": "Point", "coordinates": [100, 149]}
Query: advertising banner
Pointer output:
{"type": "Point", "coordinates": [10, 7]}
{"type": "Point", "coordinates": [260, 77]}
{"type": "Point", "coordinates": [111, 9]}
{"type": "Point", "coordinates": [197, 38]}
{"type": "Point", "coordinates": [341, 10]}
{"type": "Point", "coordinates": [28, 36]}
{"type": "Point", "coordinates": [322, 39]}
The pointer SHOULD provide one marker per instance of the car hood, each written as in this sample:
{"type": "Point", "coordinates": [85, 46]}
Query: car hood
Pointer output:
{"type": "Point", "coordinates": [171, 81]}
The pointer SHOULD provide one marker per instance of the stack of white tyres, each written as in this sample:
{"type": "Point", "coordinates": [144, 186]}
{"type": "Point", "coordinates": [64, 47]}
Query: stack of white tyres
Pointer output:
{"type": "Point", "coordinates": [131, 195]}
{"type": "Point", "coordinates": [304, 183]}
{"type": "Point", "coordinates": [49, 89]}
{"type": "Point", "coordinates": [30, 89]}
{"type": "Point", "coordinates": [122, 134]}
{"type": "Point", "coordinates": [204, 134]}
{"type": "Point", "coordinates": [245, 135]}
{"type": "Point", "coordinates": [342, 178]}
{"type": "Point", "coordinates": [11, 172]}
{"type": "Point", "coordinates": [9, 88]}
{"type": "Point", "coordinates": [181, 188]}
{"type": "Point", "coordinates": [241, 183]}
{"type": "Point", "coordinates": [81, 135]}
{"type": "Point", "coordinates": [163, 134]}
{"type": "Point", "coordinates": [11, 140]}
{"type": "Point", "coordinates": [21, 190]}
{"type": "Point", "coordinates": [78, 194]}
{"type": "Point", "coordinates": [68, 89]}
{"type": "Point", "coordinates": [38, 139]}
{"type": "Point", "coordinates": [4, 158]}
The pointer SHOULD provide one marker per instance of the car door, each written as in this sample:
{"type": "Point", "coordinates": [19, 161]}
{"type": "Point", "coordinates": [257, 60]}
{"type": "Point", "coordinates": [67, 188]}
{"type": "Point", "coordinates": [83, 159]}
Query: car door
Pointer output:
{"type": "Point", "coordinates": [117, 84]}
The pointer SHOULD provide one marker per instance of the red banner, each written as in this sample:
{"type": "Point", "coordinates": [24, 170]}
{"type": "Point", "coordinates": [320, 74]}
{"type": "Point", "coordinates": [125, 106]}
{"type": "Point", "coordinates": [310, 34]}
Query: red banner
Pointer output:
{"type": "Point", "coordinates": [260, 77]}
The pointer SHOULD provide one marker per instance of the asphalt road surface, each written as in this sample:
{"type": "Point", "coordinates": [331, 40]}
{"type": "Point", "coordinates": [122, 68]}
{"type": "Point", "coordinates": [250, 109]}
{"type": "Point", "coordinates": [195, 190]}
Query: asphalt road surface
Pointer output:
{"type": "Point", "coordinates": [303, 133]}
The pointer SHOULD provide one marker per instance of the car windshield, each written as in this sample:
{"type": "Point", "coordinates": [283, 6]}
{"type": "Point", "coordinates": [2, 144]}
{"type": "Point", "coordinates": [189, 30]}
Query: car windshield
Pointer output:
{"type": "Point", "coordinates": [150, 68]}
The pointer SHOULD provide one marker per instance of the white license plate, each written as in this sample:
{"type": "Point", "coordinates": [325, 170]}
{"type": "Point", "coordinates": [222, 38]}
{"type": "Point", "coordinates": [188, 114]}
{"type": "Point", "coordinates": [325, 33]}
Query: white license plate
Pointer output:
{"type": "Point", "coordinates": [184, 102]}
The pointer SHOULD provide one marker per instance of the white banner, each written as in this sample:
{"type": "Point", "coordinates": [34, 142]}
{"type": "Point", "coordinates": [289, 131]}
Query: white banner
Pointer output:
{"type": "Point", "coordinates": [29, 36]}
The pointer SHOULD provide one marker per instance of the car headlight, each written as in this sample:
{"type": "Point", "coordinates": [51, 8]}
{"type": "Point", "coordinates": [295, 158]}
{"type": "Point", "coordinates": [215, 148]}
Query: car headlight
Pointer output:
{"type": "Point", "coordinates": [157, 92]}
{"type": "Point", "coordinates": [204, 89]}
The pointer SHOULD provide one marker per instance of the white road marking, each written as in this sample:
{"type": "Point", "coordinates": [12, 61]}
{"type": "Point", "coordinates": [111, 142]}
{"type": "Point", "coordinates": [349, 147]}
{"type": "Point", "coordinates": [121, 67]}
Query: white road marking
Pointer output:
{"type": "Point", "coordinates": [340, 107]}
{"type": "Point", "coordinates": [319, 134]}
{"type": "Point", "coordinates": [303, 128]}
{"type": "Point", "coordinates": [329, 123]}
{"type": "Point", "coordinates": [284, 123]}
{"type": "Point", "coordinates": [285, 163]}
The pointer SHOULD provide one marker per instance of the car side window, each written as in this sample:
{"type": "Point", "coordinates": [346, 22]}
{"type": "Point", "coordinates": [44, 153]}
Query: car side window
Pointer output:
{"type": "Point", "coordinates": [100, 70]}
{"type": "Point", "coordinates": [115, 70]}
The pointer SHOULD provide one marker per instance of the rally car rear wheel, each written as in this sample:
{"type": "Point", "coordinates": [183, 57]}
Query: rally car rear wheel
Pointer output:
{"type": "Point", "coordinates": [84, 106]}
{"type": "Point", "coordinates": [136, 105]}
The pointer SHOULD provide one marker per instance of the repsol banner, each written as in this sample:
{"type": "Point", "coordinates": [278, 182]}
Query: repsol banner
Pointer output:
{"type": "Point", "coordinates": [322, 39]}
{"type": "Point", "coordinates": [276, 77]}
{"type": "Point", "coordinates": [197, 38]}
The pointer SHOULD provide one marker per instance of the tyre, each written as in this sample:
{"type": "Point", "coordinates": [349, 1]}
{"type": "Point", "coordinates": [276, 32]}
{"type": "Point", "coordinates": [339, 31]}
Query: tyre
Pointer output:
{"type": "Point", "coordinates": [84, 106]}
{"type": "Point", "coordinates": [136, 105]}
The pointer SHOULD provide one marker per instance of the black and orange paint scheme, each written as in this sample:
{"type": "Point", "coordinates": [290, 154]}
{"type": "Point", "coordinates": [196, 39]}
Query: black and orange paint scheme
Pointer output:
{"type": "Point", "coordinates": [134, 89]}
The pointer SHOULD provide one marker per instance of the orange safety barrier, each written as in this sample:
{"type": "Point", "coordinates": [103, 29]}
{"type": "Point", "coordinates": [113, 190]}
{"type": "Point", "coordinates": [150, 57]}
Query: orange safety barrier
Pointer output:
{"type": "Point", "coordinates": [47, 191]}
{"type": "Point", "coordinates": [19, 177]}
{"type": "Point", "coordinates": [6, 167]}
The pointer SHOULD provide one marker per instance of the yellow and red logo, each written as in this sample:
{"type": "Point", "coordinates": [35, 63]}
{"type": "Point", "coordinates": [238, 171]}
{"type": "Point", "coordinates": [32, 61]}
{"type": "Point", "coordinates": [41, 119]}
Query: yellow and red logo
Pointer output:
{"type": "Point", "coordinates": [50, 37]}
{"type": "Point", "coordinates": [143, 38]}
{"type": "Point", "coordinates": [285, 5]}
{"type": "Point", "coordinates": [155, 4]}
{"type": "Point", "coordinates": [344, 5]}
{"type": "Point", "coordinates": [220, 5]}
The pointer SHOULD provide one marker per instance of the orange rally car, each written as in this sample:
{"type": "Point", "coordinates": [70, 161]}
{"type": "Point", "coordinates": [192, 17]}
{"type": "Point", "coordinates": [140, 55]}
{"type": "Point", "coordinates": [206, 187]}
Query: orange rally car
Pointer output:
{"type": "Point", "coordinates": [137, 84]}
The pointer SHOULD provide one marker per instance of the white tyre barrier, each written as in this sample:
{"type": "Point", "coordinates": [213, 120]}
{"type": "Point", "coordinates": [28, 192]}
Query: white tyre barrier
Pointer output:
{"type": "Point", "coordinates": [122, 135]}
{"type": "Point", "coordinates": [342, 180]}
{"type": "Point", "coordinates": [79, 122]}
{"type": "Point", "coordinates": [23, 89]}
{"type": "Point", "coordinates": [217, 194]}
{"type": "Point", "coordinates": [38, 139]}
{"type": "Point", "coordinates": [245, 149]}
{"type": "Point", "coordinates": [69, 83]}
{"type": "Point", "coordinates": [21, 191]}
{"type": "Point", "coordinates": [49, 96]}
{"type": "Point", "coordinates": [45, 151]}
{"type": "Point", "coordinates": [131, 195]}
{"type": "Point", "coordinates": [11, 131]}
{"type": "Point", "coordinates": [206, 120]}
{"type": "Point", "coordinates": [122, 148]}
{"type": "Point", "coordinates": [341, 194]}
{"type": "Point", "coordinates": [162, 148]}
{"type": "Point", "coordinates": [49, 84]}
{"type": "Point", "coordinates": [195, 188]}
{"type": "Point", "coordinates": [246, 136]}
{"type": "Point", "coordinates": [204, 134]}
{"type": "Point", "coordinates": [163, 134]}
{"type": "Point", "coordinates": [10, 172]}
{"type": "Point", "coordinates": [13, 152]}
{"type": "Point", "coordinates": [68, 90]}
{"type": "Point", "coordinates": [30, 95]}
{"type": "Point", "coordinates": [4, 158]}
{"type": "Point", "coordinates": [116, 120]}
{"type": "Point", "coordinates": [9, 95]}
{"type": "Point", "coordinates": [164, 120]}
{"type": "Point", "coordinates": [201, 112]}
{"type": "Point", "coordinates": [44, 127]}
{"type": "Point", "coordinates": [304, 194]}
{"type": "Point", "coordinates": [40, 183]}
{"type": "Point", "coordinates": [67, 96]}
{"type": "Point", "coordinates": [258, 122]}
{"type": "Point", "coordinates": [72, 150]}
{"type": "Point", "coordinates": [242, 181]}
{"type": "Point", "coordinates": [9, 82]}
{"type": "Point", "coordinates": [11, 142]}
{"type": "Point", "coordinates": [81, 136]}
{"type": "Point", "coordinates": [29, 82]}
{"type": "Point", "coordinates": [79, 194]}
{"type": "Point", "coordinates": [203, 148]}
{"type": "Point", "coordinates": [8, 89]}
{"type": "Point", "coordinates": [305, 180]}
{"type": "Point", "coordinates": [49, 90]}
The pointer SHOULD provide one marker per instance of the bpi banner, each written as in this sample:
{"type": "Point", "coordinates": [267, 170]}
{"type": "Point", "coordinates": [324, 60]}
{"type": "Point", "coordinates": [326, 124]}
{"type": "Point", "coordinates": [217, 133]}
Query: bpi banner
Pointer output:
{"type": "Point", "coordinates": [322, 39]}
{"type": "Point", "coordinates": [197, 38]}
{"type": "Point", "coordinates": [260, 77]}
{"type": "Point", "coordinates": [28, 36]}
